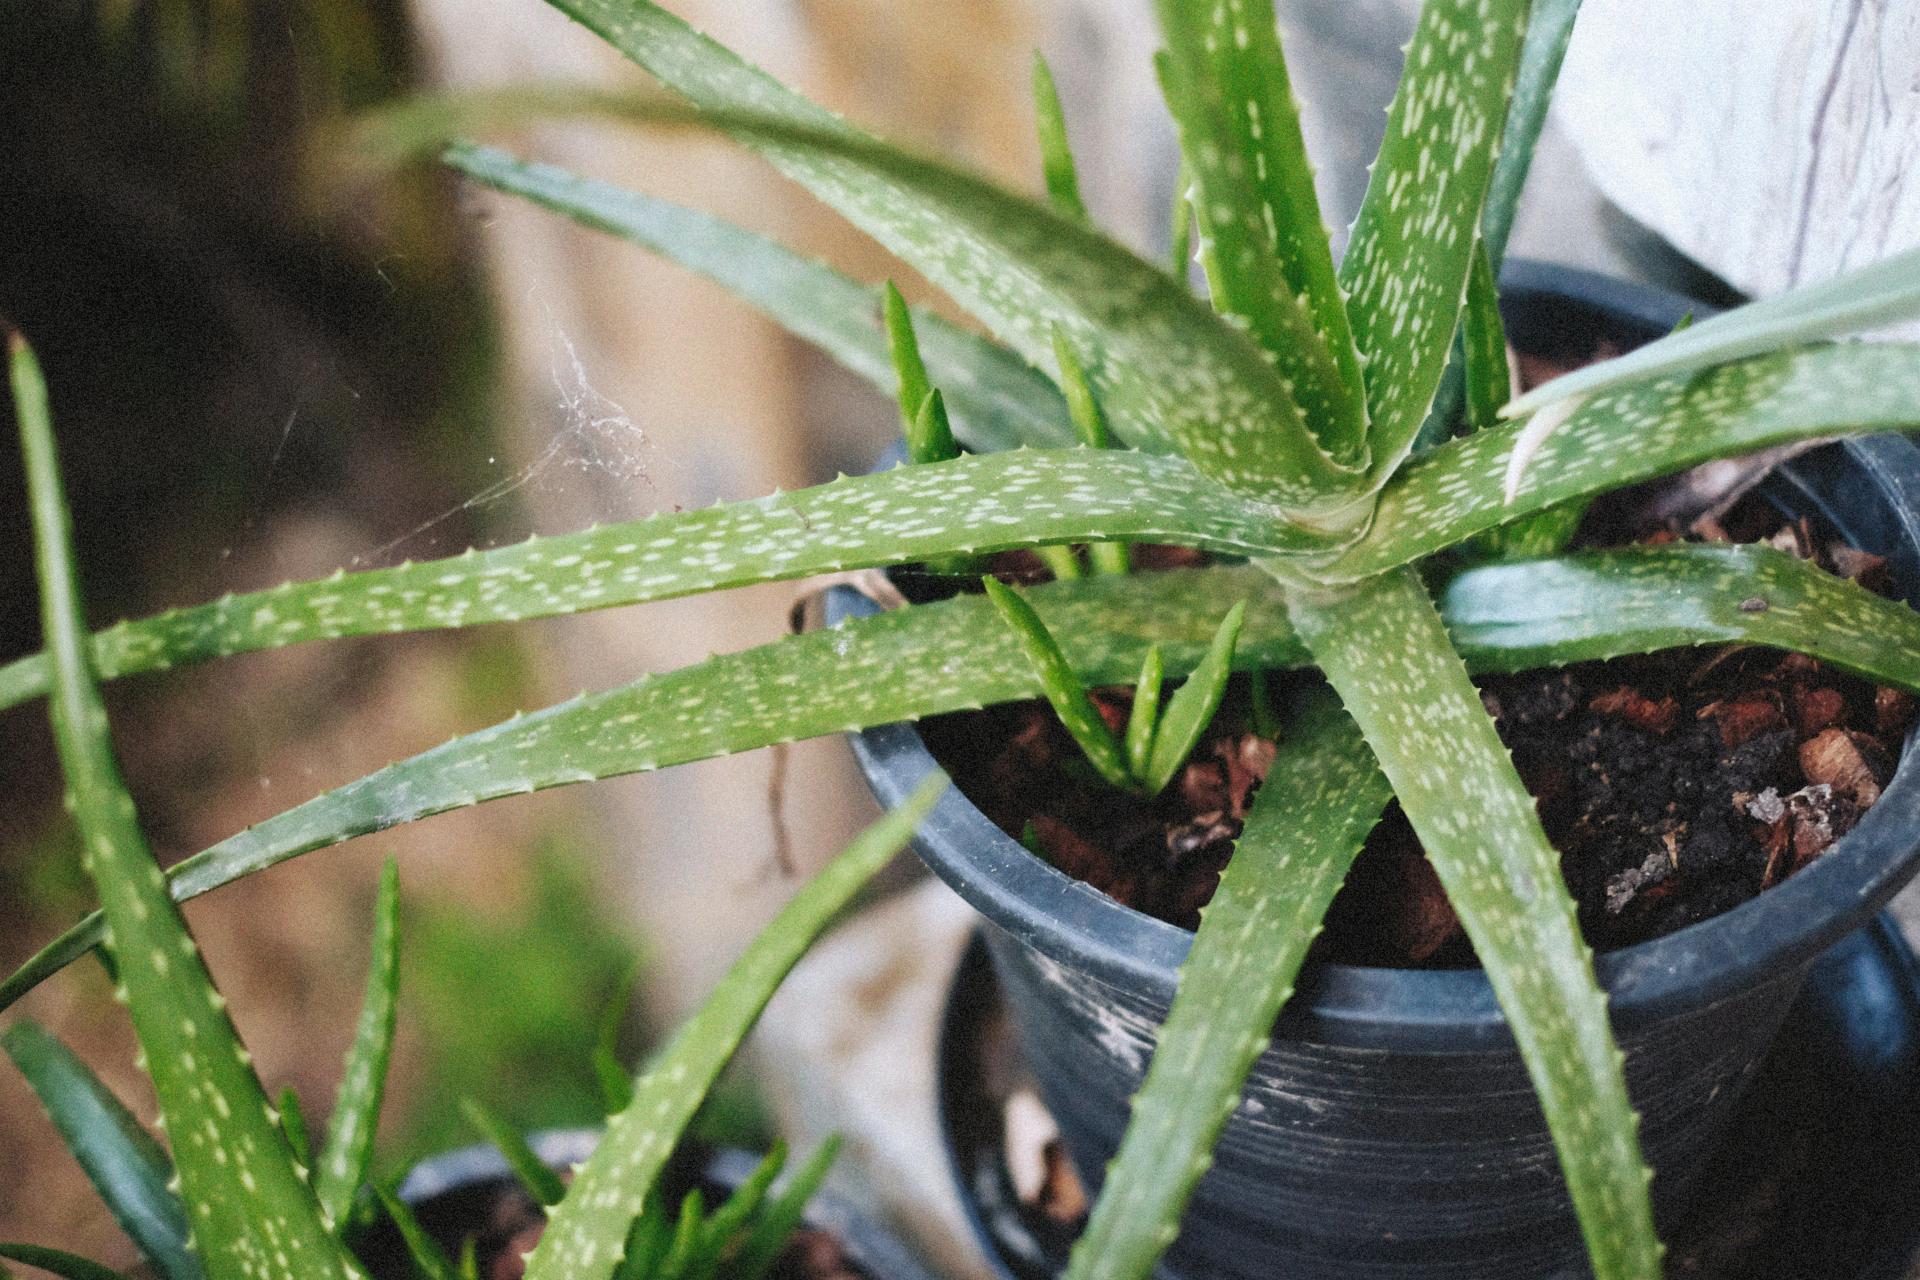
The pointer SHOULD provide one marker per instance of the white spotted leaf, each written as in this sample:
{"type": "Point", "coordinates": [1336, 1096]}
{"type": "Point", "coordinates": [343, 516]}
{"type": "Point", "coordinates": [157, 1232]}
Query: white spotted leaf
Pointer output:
{"type": "Point", "coordinates": [1321, 797]}
{"type": "Point", "coordinates": [1386, 652]}
{"type": "Point", "coordinates": [252, 1214]}
{"type": "Point", "coordinates": [347, 1154]}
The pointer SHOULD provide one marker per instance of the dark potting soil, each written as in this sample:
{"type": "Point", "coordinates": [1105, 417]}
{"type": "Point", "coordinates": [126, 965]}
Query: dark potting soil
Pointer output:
{"type": "Point", "coordinates": [505, 1224]}
{"type": "Point", "coordinates": [1675, 786]}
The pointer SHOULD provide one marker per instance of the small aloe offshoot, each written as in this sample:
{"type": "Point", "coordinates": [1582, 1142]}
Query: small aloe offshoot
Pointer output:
{"type": "Point", "coordinates": [1157, 742]}
{"type": "Point", "coordinates": [1307, 421]}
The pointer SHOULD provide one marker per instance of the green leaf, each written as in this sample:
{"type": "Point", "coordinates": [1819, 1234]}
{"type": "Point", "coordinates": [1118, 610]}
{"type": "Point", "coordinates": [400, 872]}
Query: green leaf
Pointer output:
{"type": "Point", "coordinates": [998, 400]}
{"type": "Point", "coordinates": [1384, 649]}
{"type": "Point", "coordinates": [1226, 81]}
{"type": "Point", "coordinates": [126, 1166]}
{"type": "Point", "coordinates": [1056, 156]}
{"type": "Point", "coordinates": [1549, 28]}
{"type": "Point", "coordinates": [686, 1237]}
{"type": "Point", "coordinates": [1167, 369]}
{"type": "Point", "coordinates": [1062, 685]}
{"type": "Point", "coordinates": [1321, 797]}
{"type": "Point", "coordinates": [1407, 262]}
{"type": "Point", "coordinates": [1193, 704]}
{"type": "Point", "coordinates": [587, 1231]}
{"type": "Point", "coordinates": [782, 1218]}
{"type": "Point", "coordinates": [1880, 294]}
{"type": "Point", "coordinates": [59, 1262]}
{"type": "Point", "coordinates": [427, 1255]}
{"type": "Point", "coordinates": [971, 505]}
{"type": "Point", "coordinates": [293, 1124]}
{"type": "Point", "coordinates": [533, 1173]}
{"type": "Point", "coordinates": [616, 1082]}
{"type": "Point", "coordinates": [252, 1211]}
{"type": "Point", "coordinates": [1636, 433]}
{"type": "Point", "coordinates": [736, 1213]}
{"type": "Point", "coordinates": [1180, 225]}
{"type": "Point", "coordinates": [1143, 719]}
{"type": "Point", "coordinates": [910, 374]}
{"type": "Point", "coordinates": [348, 1153]}
{"type": "Point", "coordinates": [897, 666]}
{"type": "Point", "coordinates": [1061, 561]}
{"type": "Point", "coordinates": [1091, 424]}
{"type": "Point", "coordinates": [1515, 617]}
{"type": "Point", "coordinates": [1484, 338]}
{"type": "Point", "coordinates": [647, 1244]}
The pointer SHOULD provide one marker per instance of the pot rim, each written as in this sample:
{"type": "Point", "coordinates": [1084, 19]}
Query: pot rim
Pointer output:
{"type": "Point", "coordinates": [1771, 937]}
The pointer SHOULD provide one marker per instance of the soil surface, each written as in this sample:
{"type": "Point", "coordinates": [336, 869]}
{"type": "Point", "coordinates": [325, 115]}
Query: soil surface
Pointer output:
{"type": "Point", "coordinates": [1676, 786]}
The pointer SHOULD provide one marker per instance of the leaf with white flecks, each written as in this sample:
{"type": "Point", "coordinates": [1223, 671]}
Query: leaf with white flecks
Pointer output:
{"type": "Point", "coordinates": [252, 1212]}
{"type": "Point", "coordinates": [1323, 793]}
{"type": "Point", "coordinates": [969, 505]}
{"type": "Point", "coordinates": [1166, 368]}
{"type": "Point", "coordinates": [998, 400]}
{"type": "Point", "coordinates": [1383, 647]}
{"type": "Point", "coordinates": [1634, 433]}
{"type": "Point", "coordinates": [1407, 261]}
{"type": "Point", "coordinates": [587, 1232]}
{"type": "Point", "coordinates": [1269, 261]}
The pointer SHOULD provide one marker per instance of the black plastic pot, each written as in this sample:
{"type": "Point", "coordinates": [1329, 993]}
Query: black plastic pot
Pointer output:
{"type": "Point", "coordinates": [451, 1194]}
{"type": "Point", "coordinates": [1390, 1130]}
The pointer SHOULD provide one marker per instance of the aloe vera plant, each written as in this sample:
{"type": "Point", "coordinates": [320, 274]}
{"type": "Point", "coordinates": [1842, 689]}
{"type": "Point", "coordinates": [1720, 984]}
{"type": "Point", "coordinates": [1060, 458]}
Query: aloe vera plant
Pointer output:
{"type": "Point", "coordinates": [1333, 424]}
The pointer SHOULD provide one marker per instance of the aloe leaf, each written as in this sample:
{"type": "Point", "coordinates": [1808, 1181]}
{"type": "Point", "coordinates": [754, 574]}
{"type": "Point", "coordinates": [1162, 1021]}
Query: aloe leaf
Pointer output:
{"type": "Point", "coordinates": [1193, 704]}
{"type": "Point", "coordinates": [1879, 294]}
{"type": "Point", "coordinates": [1322, 796]}
{"type": "Point", "coordinates": [348, 1153]}
{"type": "Point", "coordinates": [253, 1213]}
{"type": "Point", "coordinates": [737, 1211]}
{"type": "Point", "coordinates": [686, 1237]}
{"type": "Point", "coordinates": [293, 1125]}
{"type": "Point", "coordinates": [1636, 433]}
{"type": "Point", "coordinates": [533, 1173]}
{"type": "Point", "coordinates": [898, 666]}
{"type": "Point", "coordinates": [1268, 256]}
{"type": "Point", "coordinates": [782, 1218]}
{"type": "Point", "coordinates": [1083, 406]}
{"type": "Point", "coordinates": [1180, 225]}
{"type": "Point", "coordinates": [1484, 339]}
{"type": "Point", "coordinates": [426, 1253]}
{"type": "Point", "coordinates": [647, 1244]}
{"type": "Point", "coordinates": [1056, 156]}
{"type": "Point", "coordinates": [1407, 261]}
{"type": "Point", "coordinates": [1384, 649]}
{"type": "Point", "coordinates": [69, 1266]}
{"type": "Point", "coordinates": [970, 505]}
{"type": "Point", "coordinates": [1062, 685]}
{"type": "Point", "coordinates": [1226, 81]}
{"type": "Point", "coordinates": [1515, 617]}
{"type": "Point", "coordinates": [616, 1082]}
{"type": "Point", "coordinates": [1143, 718]}
{"type": "Point", "coordinates": [1167, 369]}
{"type": "Point", "coordinates": [588, 1229]}
{"type": "Point", "coordinates": [126, 1166]}
{"type": "Point", "coordinates": [997, 398]}
{"type": "Point", "coordinates": [1549, 27]}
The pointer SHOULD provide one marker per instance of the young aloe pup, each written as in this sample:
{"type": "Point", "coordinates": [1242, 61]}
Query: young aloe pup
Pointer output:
{"type": "Point", "coordinates": [1301, 419]}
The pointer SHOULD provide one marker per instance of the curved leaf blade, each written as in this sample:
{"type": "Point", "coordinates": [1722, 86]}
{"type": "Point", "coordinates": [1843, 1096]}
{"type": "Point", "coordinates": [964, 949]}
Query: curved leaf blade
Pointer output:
{"type": "Point", "coordinates": [587, 1232]}
{"type": "Point", "coordinates": [1165, 367]}
{"type": "Point", "coordinates": [997, 398]}
{"type": "Point", "coordinates": [897, 666]}
{"type": "Point", "coordinates": [1384, 649]}
{"type": "Point", "coordinates": [252, 1210]}
{"type": "Point", "coordinates": [127, 1168]}
{"type": "Point", "coordinates": [970, 505]}
{"type": "Point", "coordinates": [69, 1266]}
{"type": "Point", "coordinates": [1636, 433]}
{"type": "Point", "coordinates": [348, 1153]}
{"type": "Point", "coordinates": [1270, 261]}
{"type": "Point", "coordinates": [1516, 617]}
{"type": "Point", "coordinates": [1407, 262]}
{"type": "Point", "coordinates": [1322, 796]}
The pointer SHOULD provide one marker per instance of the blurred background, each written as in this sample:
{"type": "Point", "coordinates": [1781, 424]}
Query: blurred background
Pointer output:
{"type": "Point", "coordinates": [257, 378]}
